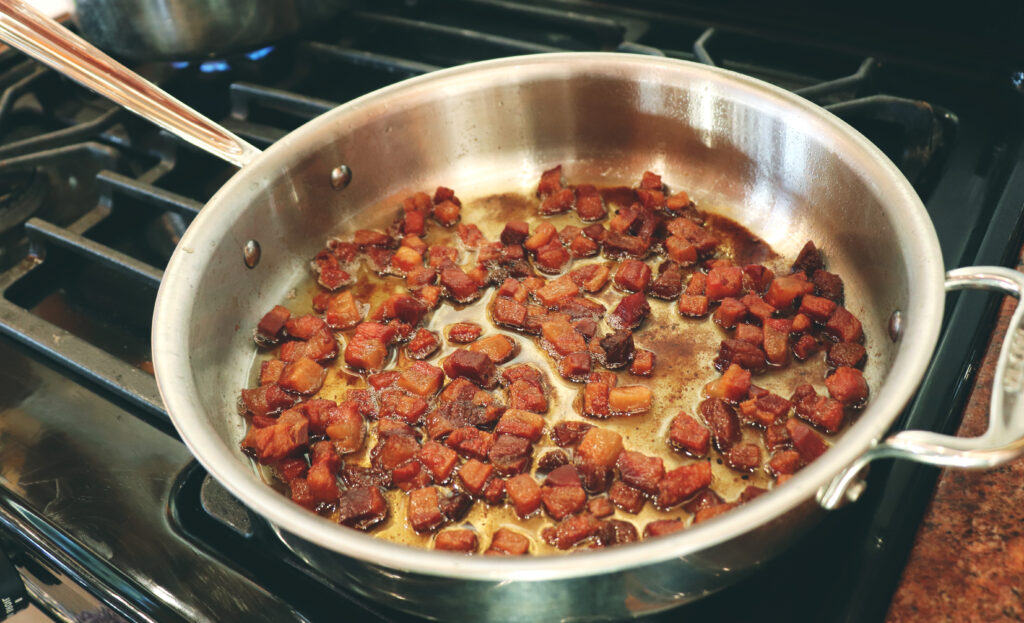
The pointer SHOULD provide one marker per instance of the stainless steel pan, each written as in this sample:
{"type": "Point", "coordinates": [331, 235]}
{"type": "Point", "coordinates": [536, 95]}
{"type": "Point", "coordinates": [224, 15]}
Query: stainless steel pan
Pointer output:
{"type": "Point", "coordinates": [786, 168]}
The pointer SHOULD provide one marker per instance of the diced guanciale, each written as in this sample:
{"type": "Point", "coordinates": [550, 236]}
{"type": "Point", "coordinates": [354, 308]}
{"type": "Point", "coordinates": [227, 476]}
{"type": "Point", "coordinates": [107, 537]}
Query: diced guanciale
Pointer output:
{"type": "Point", "coordinates": [846, 354]}
{"type": "Point", "coordinates": [688, 435]}
{"type": "Point", "coordinates": [682, 483]}
{"type": "Point", "coordinates": [641, 471]}
{"type": "Point", "coordinates": [629, 400]}
{"type": "Point", "coordinates": [286, 436]}
{"type": "Point", "coordinates": [498, 348]}
{"type": "Point", "coordinates": [732, 386]}
{"type": "Point", "coordinates": [847, 385]}
{"type": "Point", "coordinates": [630, 311]}
{"type": "Point", "coordinates": [722, 420]}
{"type": "Point", "coordinates": [508, 542]}
{"type": "Point", "coordinates": [808, 443]}
{"type": "Point", "coordinates": [456, 540]}
{"type": "Point", "coordinates": [476, 367]}
{"type": "Point", "coordinates": [524, 493]}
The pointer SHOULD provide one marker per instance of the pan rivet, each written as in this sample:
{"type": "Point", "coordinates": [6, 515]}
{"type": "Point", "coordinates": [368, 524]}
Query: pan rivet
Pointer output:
{"type": "Point", "coordinates": [895, 325]}
{"type": "Point", "coordinates": [340, 177]}
{"type": "Point", "coordinates": [251, 252]}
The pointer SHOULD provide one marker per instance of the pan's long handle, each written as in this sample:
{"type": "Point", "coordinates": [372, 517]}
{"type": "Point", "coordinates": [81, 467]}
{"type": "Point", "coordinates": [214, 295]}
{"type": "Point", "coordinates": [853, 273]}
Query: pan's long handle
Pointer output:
{"type": "Point", "coordinates": [1004, 439]}
{"type": "Point", "coordinates": [28, 30]}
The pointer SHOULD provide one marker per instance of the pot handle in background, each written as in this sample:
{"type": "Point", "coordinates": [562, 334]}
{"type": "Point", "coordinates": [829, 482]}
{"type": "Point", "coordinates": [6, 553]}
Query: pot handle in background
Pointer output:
{"type": "Point", "coordinates": [35, 34]}
{"type": "Point", "coordinates": [1002, 442]}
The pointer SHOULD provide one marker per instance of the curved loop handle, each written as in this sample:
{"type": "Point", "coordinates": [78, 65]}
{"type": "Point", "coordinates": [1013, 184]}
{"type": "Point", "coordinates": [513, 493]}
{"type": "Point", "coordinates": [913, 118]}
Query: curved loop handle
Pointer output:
{"type": "Point", "coordinates": [35, 34]}
{"type": "Point", "coordinates": [1002, 442]}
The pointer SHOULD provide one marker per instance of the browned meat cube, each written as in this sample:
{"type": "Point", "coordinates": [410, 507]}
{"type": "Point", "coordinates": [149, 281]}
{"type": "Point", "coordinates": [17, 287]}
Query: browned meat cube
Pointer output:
{"type": "Point", "coordinates": [724, 282]}
{"type": "Point", "coordinates": [765, 410]}
{"type": "Point", "coordinates": [557, 202]}
{"type": "Point", "coordinates": [633, 276]}
{"type": "Point", "coordinates": [552, 257]}
{"type": "Point", "coordinates": [566, 434]}
{"type": "Point", "coordinates": [474, 475]}
{"type": "Point", "coordinates": [846, 354]}
{"type": "Point", "coordinates": [498, 348]}
{"type": "Point", "coordinates": [464, 332]}
{"type": "Point", "coordinates": [600, 447]}
{"type": "Point", "coordinates": [729, 313]}
{"type": "Point", "coordinates": [460, 287]}
{"type": "Point", "coordinates": [422, 345]}
{"type": "Point", "coordinates": [808, 443]}
{"type": "Point", "coordinates": [757, 308]}
{"type": "Point", "coordinates": [524, 493]}
{"type": "Point", "coordinates": [776, 340]}
{"type": "Point", "coordinates": [595, 400]}
{"type": "Point", "coordinates": [589, 203]}
{"type": "Point", "coordinates": [476, 367]}
{"type": "Point", "coordinates": [510, 454]}
{"type": "Point", "coordinates": [571, 531]}
{"type": "Point", "coordinates": [561, 501]}
{"type": "Point", "coordinates": [828, 285]}
{"type": "Point", "coordinates": [784, 291]}
{"type": "Point", "coordinates": [643, 363]}
{"type": "Point", "coordinates": [733, 386]}
{"type": "Point", "coordinates": [819, 410]}
{"type": "Point", "coordinates": [618, 349]}
{"type": "Point", "coordinates": [629, 400]}
{"type": "Point", "coordinates": [456, 540]}
{"type": "Point", "coordinates": [816, 307]}
{"type": "Point", "coordinates": [362, 507]}
{"type": "Point", "coordinates": [806, 346]}
{"type": "Point", "coordinates": [808, 260]}
{"type": "Point", "coordinates": [525, 424]}
{"type": "Point", "coordinates": [693, 305]}
{"type": "Point", "coordinates": [669, 283]}
{"type": "Point", "coordinates": [750, 333]}
{"type": "Point", "coordinates": [509, 312]}
{"type": "Point", "coordinates": [703, 240]}
{"type": "Point", "coordinates": [550, 181]}
{"type": "Point", "coordinates": [421, 379]}
{"type": "Point", "coordinates": [743, 354]}
{"type": "Point", "coordinates": [776, 436]}
{"type": "Point", "coordinates": [847, 385]}
{"type": "Point", "coordinates": [640, 471]}
{"type": "Point", "coordinates": [785, 462]}
{"type": "Point", "coordinates": [424, 512]}
{"type": "Point", "coordinates": [682, 483]}
{"type": "Point", "coordinates": [304, 377]}
{"type": "Point", "coordinates": [440, 460]}
{"type": "Point", "coordinates": [744, 457]}
{"type": "Point", "coordinates": [528, 396]}
{"type": "Point", "coordinates": [722, 420]}
{"type": "Point", "coordinates": [626, 497]}
{"type": "Point", "coordinates": [515, 232]}
{"type": "Point", "coordinates": [688, 435]}
{"type": "Point", "coordinates": [270, 327]}
{"type": "Point", "coordinates": [266, 400]}
{"type": "Point", "coordinates": [286, 436]}
{"type": "Point", "coordinates": [661, 527]}
{"type": "Point", "coordinates": [844, 326]}
{"type": "Point", "coordinates": [508, 542]}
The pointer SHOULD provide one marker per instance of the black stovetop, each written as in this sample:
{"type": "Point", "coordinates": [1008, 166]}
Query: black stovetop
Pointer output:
{"type": "Point", "coordinates": [97, 489]}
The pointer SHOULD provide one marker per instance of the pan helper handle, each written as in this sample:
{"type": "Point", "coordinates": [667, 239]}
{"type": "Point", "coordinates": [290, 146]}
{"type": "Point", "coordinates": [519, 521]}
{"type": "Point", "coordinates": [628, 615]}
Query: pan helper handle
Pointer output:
{"type": "Point", "coordinates": [1002, 442]}
{"type": "Point", "coordinates": [35, 34]}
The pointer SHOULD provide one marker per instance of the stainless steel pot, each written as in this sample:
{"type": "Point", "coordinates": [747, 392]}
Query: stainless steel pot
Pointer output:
{"type": "Point", "coordinates": [784, 167]}
{"type": "Point", "coordinates": [184, 29]}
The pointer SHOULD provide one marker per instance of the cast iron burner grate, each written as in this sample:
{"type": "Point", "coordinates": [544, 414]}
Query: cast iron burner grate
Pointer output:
{"type": "Point", "coordinates": [79, 277]}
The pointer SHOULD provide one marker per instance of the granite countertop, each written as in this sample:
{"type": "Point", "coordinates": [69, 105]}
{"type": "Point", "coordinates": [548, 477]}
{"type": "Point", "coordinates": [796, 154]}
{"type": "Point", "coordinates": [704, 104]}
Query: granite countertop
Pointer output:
{"type": "Point", "coordinates": [967, 563]}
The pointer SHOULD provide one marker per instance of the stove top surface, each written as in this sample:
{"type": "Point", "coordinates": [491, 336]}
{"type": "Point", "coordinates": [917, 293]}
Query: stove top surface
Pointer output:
{"type": "Point", "coordinates": [98, 492]}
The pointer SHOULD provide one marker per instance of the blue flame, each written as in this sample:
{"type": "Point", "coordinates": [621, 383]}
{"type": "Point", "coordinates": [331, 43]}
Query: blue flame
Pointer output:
{"type": "Point", "coordinates": [210, 67]}
{"type": "Point", "coordinates": [179, 64]}
{"type": "Point", "coordinates": [256, 55]}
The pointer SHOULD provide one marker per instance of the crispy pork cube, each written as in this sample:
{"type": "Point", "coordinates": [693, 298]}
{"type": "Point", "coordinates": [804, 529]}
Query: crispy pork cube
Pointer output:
{"type": "Point", "coordinates": [446, 213]}
{"type": "Point", "coordinates": [703, 240]}
{"type": "Point", "coordinates": [618, 348]}
{"type": "Point", "coordinates": [847, 385]}
{"type": "Point", "coordinates": [680, 250]}
{"type": "Point", "coordinates": [844, 326]}
{"type": "Point", "coordinates": [510, 454]}
{"type": "Point", "coordinates": [693, 305]}
{"type": "Point", "coordinates": [271, 326]}
{"type": "Point", "coordinates": [525, 424]}
{"type": "Point", "coordinates": [509, 312]}
{"type": "Point", "coordinates": [599, 447]}
{"type": "Point", "coordinates": [362, 507]}
{"type": "Point", "coordinates": [682, 483]}
{"type": "Point", "coordinates": [527, 395]}
{"type": "Point", "coordinates": [669, 283]}
{"type": "Point", "coordinates": [629, 499]}
{"type": "Point", "coordinates": [724, 282]}
{"type": "Point", "coordinates": [474, 475]}
{"type": "Point", "coordinates": [629, 400]}
{"type": "Point", "coordinates": [808, 443]}
{"type": "Point", "coordinates": [744, 354]}
{"type": "Point", "coordinates": [784, 291]}
{"type": "Point", "coordinates": [456, 540]}
{"type": "Point", "coordinates": [750, 333]}
{"type": "Point", "coordinates": [471, 442]}
{"type": "Point", "coordinates": [266, 400]}
{"type": "Point", "coordinates": [524, 493]}
{"type": "Point", "coordinates": [556, 290]}
{"type": "Point", "coordinates": [476, 367]}
{"type": "Point", "coordinates": [595, 400]}
{"type": "Point", "coordinates": [498, 348]}
{"type": "Point", "coordinates": [723, 422]}
{"type": "Point", "coordinates": [561, 200]}
{"type": "Point", "coordinates": [464, 332]}
{"type": "Point", "coordinates": [343, 311]}
{"type": "Point", "coordinates": [806, 346]}
{"type": "Point", "coordinates": [421, 379]}
{"type": "Point", "coordinates": [729, 313]}
{"type": "Point", "coordinates": [438, 459]}
{"type": "Point", "coordinates": [630, 311]}
{"type": "Point", "coordinates": [304, 376]}
{"type": "Point", "coordinates": [743, 457]}
{"type": "Point", "coordinates": [732, 386]}
{"type": "Point", "coordinates": [424, 511]}
{"type": "Point", "coordinates": [688, 435]}
{"type": "Point", "coordinates": [765, 410]}
{"type": "Point", "coordinates": [661, 527]}
{"type": "Point", "coordinates": [840, 354]}
{"type": "Point", "coordinates": [819, 410]}
{"type": "Point", "coordinates": [817, 308]}
{"type": "Point", "coordinates": [776, 340]}
{"type": "Point", "coordinates": [285, 437]}
{"type": "Point", "coordinates": [509, 543]}
{"type": "Point", "coordinates": [551, 257]}
{"type": "Point", "coordinates": [589, 203]}
{"type": "Point", "coordinates": [785, 462]}
{"type": "Point", "coordinates": [643, 363]}
{"type": "Point", "coordinates": [591, 277]}
{"type": "Point", "coordinates": [640, 471]}
{"type": "Point", "coordinates": [633, 276]}
{"type": "Point", "coordinates": [562, 501]}
{"type": "Point", "coordinates": [757, 308]}
{"type": "Point", "coordinates": [572, 530]}
{"type": "Point", "coordinates": [422, 345]}
{"type": "Point", "coordinates": [828, 285]}
{"type": "Point", "coordinates": [566, 434]}
{"type": "Point", "coordinates": [345, 429]}
{"type": "Point", "coordinates": [562, 337]}
{"type": "Point", "coordinates": [808, 260]}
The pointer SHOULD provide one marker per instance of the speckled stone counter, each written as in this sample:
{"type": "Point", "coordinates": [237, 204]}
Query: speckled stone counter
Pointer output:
{"type": "Point", "coordinates": [968, 558]}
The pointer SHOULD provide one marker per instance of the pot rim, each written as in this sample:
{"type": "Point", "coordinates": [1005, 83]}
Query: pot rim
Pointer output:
{"type": "Point", "coordinates": [172, 318]}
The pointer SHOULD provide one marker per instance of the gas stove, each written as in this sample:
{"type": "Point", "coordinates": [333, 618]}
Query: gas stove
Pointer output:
{"type": "Point", "coordinates": [104, 513]}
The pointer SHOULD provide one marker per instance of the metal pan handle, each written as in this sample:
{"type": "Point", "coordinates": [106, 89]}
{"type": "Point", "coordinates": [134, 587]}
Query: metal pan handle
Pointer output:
{"type": "Point", "coordinates": [1002, 442]}
{"type": "Point", "coordinates": [35, 34]}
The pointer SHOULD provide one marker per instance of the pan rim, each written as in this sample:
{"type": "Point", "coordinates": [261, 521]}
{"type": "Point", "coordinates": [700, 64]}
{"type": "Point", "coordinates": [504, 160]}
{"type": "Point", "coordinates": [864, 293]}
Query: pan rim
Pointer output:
{"type": "Point", "coordinates": [177, 388]}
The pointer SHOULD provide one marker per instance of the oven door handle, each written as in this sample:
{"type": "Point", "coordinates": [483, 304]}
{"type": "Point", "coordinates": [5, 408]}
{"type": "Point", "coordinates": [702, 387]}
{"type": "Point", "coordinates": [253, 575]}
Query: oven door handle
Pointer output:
{"type": "Point", "coordinates": [1002, 442]}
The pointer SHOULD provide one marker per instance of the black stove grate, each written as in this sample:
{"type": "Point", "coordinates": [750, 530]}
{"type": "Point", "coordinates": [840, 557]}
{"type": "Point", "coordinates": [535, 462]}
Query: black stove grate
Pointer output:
{"type": "Point", "coordinates": [80, 256]}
